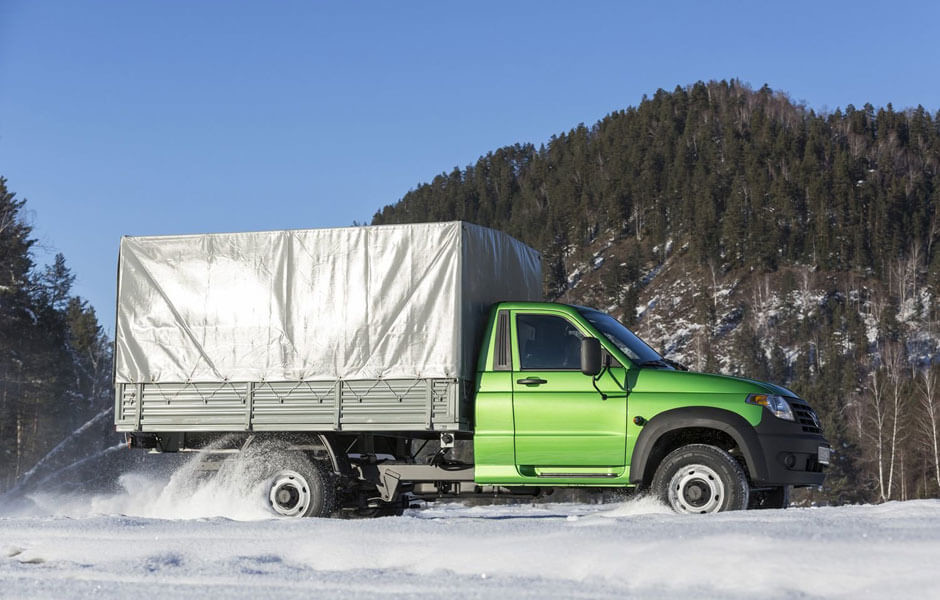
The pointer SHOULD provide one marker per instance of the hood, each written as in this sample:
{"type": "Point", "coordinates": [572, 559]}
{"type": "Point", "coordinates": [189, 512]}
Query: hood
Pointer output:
{"type": "Point", "coordinates": [665, 380]}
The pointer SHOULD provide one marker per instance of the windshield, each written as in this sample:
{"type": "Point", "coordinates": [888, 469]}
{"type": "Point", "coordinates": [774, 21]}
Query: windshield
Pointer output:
{"type": "Point", "coordinates": [635, 348]}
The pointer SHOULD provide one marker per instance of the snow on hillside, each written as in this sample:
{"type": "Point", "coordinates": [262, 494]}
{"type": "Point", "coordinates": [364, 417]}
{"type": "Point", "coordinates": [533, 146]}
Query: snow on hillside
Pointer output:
{"type": "Point", "coordinates": [674, 291]}
{"type": "Point", "coordinates": [73, 547]}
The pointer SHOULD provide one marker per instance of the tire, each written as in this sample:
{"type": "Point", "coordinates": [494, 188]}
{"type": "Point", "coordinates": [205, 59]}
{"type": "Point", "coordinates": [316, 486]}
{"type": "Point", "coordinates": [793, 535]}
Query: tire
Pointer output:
{"type": "Point", "coordinates": [778, 497]}
{"type": "Point", "coordinates": [699, 478]}
{"type": "Point", "coordinates": [300, 487]}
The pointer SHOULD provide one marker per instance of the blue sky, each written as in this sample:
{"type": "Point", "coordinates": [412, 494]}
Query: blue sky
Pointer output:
{"type": "Point", "coordinates": [135, 118]}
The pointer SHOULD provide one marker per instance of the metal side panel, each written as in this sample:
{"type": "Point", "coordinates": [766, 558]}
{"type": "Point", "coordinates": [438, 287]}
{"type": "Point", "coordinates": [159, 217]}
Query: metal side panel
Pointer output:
{"type": "Point", "coordinates": [125, 407]}
{"type": "Point", "coordinates": [294, 403]}
{"type": "Point", "coordinates": [362, 405]}
{"type": "Point", "coordinates": [193, 406]}
{"type": "Point", "coordinates": [407, 403]}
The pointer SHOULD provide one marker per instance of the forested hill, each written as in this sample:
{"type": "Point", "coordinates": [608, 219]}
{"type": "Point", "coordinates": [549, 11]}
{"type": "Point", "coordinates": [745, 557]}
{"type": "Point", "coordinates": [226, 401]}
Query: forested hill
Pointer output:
{"type": "Point", "coordinates": [744, 233]}
{"type": "Point", "coordinates": [747, 178]}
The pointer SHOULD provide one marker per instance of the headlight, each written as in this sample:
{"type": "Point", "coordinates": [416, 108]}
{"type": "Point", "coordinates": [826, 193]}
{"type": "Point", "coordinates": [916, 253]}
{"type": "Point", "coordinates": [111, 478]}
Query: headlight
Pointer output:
{"type": "Point", "coordinates": [776, 404]}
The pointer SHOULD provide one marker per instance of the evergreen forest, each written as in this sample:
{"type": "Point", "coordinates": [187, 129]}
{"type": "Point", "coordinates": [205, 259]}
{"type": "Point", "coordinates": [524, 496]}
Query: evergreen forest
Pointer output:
{"type": "Point", "coordinates": [55, 360]}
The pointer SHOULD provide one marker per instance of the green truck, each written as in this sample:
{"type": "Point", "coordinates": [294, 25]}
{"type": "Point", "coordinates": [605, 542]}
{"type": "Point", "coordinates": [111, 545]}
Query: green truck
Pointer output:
{"type": "Point", "coordinates": [363, 368]}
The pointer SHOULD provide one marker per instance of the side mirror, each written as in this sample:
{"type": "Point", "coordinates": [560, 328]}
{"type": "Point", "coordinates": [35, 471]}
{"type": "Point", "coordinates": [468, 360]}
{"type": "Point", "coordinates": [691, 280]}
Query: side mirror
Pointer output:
{"type": "Point", "coordinates": [590, 356]}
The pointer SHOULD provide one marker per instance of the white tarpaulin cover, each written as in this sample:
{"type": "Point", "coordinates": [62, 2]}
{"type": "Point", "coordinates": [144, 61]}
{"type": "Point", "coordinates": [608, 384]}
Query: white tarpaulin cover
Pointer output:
{"type": "Point", "coordinates": [394, 301]}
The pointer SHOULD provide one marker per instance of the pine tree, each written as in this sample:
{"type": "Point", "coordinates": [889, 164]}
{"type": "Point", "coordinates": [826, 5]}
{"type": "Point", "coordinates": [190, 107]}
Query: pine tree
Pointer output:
{"type": "Point", "coordinates": [54, 357]}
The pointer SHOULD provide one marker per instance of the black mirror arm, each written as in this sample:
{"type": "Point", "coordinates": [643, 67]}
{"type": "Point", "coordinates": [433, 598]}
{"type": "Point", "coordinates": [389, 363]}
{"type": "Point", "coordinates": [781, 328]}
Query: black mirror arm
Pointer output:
{"type": "Point", "coordinates": [597, 377]}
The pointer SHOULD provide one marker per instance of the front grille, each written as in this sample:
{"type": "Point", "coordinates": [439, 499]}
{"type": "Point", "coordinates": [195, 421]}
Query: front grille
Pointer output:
{"type": "Point", "coordinates": [805, 416]}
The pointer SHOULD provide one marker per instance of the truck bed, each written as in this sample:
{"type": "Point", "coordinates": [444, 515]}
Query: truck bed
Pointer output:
{"type": "Point", "coordinates": [352, 329]}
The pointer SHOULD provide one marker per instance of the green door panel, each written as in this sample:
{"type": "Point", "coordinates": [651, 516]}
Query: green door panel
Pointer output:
{"type": "Point", "coordinates": [560, 419]}
{"type": "Point", "coordinates": [565, 422]}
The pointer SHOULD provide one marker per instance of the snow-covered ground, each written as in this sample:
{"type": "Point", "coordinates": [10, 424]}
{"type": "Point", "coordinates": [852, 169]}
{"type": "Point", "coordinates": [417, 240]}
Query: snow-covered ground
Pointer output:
{"type": "Point", "coordinates": [154, 539]}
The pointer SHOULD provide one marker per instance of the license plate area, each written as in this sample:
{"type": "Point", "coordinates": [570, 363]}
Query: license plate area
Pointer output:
{"type": "Point", "coordinates": [822, 455]}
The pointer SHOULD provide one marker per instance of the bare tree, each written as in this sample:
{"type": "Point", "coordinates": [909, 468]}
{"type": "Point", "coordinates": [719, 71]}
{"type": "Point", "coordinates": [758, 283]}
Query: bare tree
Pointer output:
{"type": "Point", "coordinates": [761, 297]}
{"type": "Point", "coordinates": [807, 284]}
{"type": "Point", "coordinates": [854, 410]}
{"type": "Point", "coordinates": [637, 220]}
{"type": "Point", "coordinates": [903, 274]}
{"type": "Point", "coordinates": [876, 414]}
{"type": "Point", "coordinates": [930, 402]}
{"type": "Point", "coordinates": [897, 280]}
{"type": "Point", "coordinates": [714, 273]}
{"type": "Point", "coordinates": [933, 233]}
{"type": "Point", "coordinates": [893, 362]}
{"type": "Point", "coordinates": [700, 343]}
{"type": "Point", "coordinates": [913, 269]}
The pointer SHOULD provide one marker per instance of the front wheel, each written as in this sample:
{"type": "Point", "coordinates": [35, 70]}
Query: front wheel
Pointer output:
{"type": "Point", "coordinates": [776, 497]}
{"type": "Point", "coordinates": [699, 478]}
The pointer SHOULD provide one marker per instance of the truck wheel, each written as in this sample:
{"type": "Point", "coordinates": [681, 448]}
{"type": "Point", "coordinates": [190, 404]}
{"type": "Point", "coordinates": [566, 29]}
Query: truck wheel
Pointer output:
{"type": "Point", "coordinates": [701, 479]}
{"type": "Point", "coordinates": [778, 497]}
{"type": "Point", "coordinates": [301, 488]}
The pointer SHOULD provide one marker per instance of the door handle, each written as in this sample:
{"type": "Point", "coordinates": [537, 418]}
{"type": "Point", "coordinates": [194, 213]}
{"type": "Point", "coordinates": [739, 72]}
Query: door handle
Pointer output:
{"type": "Point", "coordinates": [531, 381]}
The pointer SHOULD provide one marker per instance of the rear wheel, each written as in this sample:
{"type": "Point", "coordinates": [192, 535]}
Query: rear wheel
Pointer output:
{"type": "Point", "coordinates": [300, 487]}
{"type": "Point", "coordinates": [699, 478]}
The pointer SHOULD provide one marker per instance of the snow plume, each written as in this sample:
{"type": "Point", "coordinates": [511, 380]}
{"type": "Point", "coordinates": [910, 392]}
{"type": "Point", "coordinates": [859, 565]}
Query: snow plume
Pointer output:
{"type": "Point", "coordinates": [641, 505]}
{"type": "Point", "coordinates": [69, 442]}
{"type": "Point", "coordinates": [190, 491]}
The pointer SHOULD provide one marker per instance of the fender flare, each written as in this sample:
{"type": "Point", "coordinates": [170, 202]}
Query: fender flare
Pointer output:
{"type": "Point", "coordinates": [733, 424]}
{"type": "Point", "coordinates": [339, 462]}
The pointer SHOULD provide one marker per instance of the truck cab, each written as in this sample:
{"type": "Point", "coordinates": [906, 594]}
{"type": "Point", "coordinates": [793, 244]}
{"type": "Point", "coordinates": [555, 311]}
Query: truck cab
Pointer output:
{"type": "Point", "coordinates": [568, 396]}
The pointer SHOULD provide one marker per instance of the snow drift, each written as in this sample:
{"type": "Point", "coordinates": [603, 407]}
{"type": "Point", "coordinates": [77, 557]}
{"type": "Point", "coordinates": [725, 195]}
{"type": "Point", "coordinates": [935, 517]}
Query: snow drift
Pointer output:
{"type": "Point", "coordinates": [170, 534]}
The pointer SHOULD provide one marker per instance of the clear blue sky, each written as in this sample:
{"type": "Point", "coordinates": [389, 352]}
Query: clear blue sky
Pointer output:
{"type": "Point", "coordinates": [151, 117]}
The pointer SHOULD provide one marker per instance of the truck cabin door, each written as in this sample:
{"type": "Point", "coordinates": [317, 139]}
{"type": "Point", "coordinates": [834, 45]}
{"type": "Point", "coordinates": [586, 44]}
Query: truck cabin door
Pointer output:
{"type": "Point", "coordinates": [563, 425]}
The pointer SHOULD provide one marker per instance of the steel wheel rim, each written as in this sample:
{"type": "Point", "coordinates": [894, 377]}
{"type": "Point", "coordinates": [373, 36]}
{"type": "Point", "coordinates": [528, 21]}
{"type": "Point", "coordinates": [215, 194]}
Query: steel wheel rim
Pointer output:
{"type": "Point", "coordinates": [696, 489]}
{"type": "Point", "coordinates": [290, 494]}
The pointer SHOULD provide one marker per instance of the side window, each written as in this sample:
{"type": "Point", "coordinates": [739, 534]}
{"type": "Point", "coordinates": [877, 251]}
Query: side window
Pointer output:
{"type": "Point", "coordinates": [548, 342]}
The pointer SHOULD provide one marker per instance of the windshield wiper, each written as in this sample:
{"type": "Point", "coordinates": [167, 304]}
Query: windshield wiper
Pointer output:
{"type": "Point", "coordinates": [654, 363]}
{"type": "Point", "coordinates": [675, 364]}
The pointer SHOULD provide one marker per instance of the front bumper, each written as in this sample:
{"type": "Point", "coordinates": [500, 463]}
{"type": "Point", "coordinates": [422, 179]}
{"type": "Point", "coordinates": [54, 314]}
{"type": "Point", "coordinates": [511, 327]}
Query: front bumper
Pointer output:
{"type": "Point", "coordinates": [791, 456]}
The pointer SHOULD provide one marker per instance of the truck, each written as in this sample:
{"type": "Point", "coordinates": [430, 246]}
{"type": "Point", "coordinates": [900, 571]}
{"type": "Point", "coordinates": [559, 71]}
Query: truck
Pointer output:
{"type": "Point", "coordinates": [360, 369]}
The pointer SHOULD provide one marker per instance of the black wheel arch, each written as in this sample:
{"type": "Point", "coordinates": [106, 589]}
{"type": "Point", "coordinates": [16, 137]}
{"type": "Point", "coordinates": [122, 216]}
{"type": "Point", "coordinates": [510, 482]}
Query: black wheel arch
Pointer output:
{"type": "Point", "coordinates": [311, 442]}
{"type": "Point", "coordinates": [704, 418]}
{"type": "Point", "coordinates": [338, 459]}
